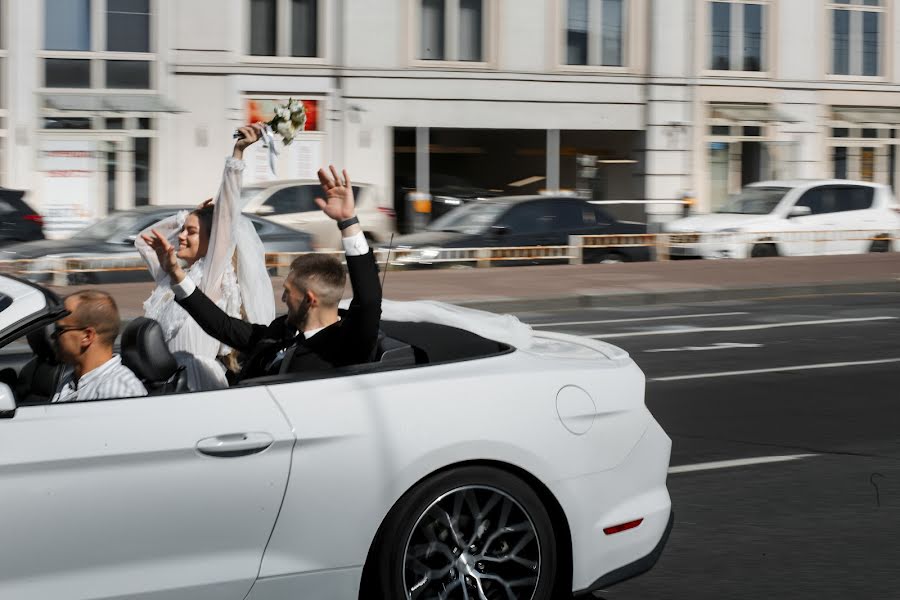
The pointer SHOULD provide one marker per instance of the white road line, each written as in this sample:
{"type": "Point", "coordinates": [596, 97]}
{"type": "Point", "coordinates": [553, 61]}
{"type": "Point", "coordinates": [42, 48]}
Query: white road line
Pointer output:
{"type": "Point", "coordinates": [740, 462]}
{"type": "Point", "coordinates": [777, 369]}
{"type": "Point", "coordinates": [719, 346]}
{"type": "Point", "coordinates": [606, 336]}
{"type": "Point", "coordinates": [665, 318]}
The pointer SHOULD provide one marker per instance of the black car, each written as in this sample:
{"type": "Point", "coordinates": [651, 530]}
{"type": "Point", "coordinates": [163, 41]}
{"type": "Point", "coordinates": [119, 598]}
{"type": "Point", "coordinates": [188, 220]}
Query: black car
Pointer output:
{"type": "Point", "coordinates": [115, 236]}
{"type": "Point", "coordinates": [18, 221]}
{"type": "Point", "coordinates": [522, 221]}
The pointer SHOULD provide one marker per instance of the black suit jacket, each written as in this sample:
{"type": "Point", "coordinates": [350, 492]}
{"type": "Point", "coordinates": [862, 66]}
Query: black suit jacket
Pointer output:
{"type": "Point", "coordinates": [351, 340]}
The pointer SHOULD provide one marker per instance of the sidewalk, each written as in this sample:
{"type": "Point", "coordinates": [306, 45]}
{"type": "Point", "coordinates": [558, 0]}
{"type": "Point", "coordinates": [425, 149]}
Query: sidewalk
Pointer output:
{"type": "Point", "coordinates": [560, 286]}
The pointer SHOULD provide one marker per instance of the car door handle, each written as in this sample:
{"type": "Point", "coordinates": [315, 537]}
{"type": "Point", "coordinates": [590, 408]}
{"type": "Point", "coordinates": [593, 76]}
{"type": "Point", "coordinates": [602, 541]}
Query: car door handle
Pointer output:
{"type": "Point", "coordinates": [234, 445]}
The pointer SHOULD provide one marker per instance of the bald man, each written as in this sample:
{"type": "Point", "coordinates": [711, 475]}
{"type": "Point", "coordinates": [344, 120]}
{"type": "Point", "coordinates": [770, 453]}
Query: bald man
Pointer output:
{"type": "Point", "coordinates": [84, 339]}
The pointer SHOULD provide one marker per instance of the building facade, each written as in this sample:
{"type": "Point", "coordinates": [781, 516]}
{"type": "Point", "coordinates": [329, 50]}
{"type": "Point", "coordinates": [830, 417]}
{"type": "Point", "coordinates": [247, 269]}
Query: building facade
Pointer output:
{"type": "Point", "coordinates": [108, 104]}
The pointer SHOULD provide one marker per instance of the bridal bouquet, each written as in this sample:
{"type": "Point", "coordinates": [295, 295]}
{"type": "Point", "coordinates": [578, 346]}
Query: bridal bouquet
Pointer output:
{"type": "Point", "coordinates": [289, 119]}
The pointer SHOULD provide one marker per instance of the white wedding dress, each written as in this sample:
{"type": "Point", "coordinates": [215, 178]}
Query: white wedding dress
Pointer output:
{"type": "Point", "coordinates": [232, 274]}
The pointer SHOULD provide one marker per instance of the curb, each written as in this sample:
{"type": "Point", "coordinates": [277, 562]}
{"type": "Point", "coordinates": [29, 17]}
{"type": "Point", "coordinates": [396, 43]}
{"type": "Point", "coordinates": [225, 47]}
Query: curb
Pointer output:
{"type": "Point", "coordinates": [639, 298]}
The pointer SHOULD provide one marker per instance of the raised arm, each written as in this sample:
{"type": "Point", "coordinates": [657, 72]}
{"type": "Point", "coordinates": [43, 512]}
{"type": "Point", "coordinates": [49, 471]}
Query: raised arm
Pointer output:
{"type": "Point", "coordinates": [169, 228]}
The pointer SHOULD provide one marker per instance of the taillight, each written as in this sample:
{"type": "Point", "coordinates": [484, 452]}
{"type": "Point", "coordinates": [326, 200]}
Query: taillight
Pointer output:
{"type": "Point", "coordinates": [36, 218]}
{"type": "Point", "coordinates": [388, 211]}
{"type": "Point", "coordinates": [622, 527]}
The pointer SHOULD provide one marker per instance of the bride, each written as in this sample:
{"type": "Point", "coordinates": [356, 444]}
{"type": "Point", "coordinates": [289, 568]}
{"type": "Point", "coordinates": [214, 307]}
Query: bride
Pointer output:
{"type": "Point", "coordinates": [224, 256]}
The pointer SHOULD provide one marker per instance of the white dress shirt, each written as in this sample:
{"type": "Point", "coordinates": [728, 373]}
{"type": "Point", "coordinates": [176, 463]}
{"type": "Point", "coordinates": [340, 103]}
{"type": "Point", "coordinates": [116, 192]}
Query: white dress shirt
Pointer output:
{"type": "Point", "coordinates": [110, 380]}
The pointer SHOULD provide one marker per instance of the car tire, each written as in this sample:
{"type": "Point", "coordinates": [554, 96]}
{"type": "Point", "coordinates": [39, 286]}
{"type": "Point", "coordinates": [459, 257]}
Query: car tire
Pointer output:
{"type": "Point", "coordinates": [764, 250]}
{"type": "Point", "coordinates": [612, 258]}
{"type": "Point", "coordinates": [416, 550]}
{"type": "Point", "coordinates": [881, 243]}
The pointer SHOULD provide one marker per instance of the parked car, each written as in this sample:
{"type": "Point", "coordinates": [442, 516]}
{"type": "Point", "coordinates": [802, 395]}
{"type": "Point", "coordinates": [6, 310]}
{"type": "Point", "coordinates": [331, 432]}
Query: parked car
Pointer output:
{"type": "Point", "coordinates": [292, 204]}
{"type": "Point", "coordinates": [18, 221]}
{"type": "Point", "coordinates": [115, 235]}
{"type": "Point", "coordinates": [343, 483]}
{"type": "Point", "coordinates": [521, 221]}
{"type": "Point", "coordinates": [793, 218]}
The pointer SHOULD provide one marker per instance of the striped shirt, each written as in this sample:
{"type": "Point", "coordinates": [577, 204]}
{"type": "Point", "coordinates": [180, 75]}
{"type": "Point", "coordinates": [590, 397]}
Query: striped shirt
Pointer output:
{"type": "Point", "coordinates": [110, 380]}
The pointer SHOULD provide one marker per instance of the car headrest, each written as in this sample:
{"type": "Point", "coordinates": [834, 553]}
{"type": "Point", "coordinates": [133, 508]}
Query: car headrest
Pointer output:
{"type": "Point", "coordinates": [145, 352]}
{"type": "Point", "coordinates": [40, 343]}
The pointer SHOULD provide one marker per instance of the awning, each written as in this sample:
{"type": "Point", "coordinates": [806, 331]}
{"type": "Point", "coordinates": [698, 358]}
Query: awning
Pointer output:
{"type": "Point", "coordinates": [866, 116]}
{"type": "Point", "coordinates": [139, 103]}
{"type": "Point", "coordinates": [759, 113]}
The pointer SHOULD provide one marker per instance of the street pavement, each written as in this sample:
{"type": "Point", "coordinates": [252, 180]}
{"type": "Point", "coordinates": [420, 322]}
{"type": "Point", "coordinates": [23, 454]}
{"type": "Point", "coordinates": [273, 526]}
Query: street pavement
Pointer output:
{"type": "Point", "coordinates": [811, 384]}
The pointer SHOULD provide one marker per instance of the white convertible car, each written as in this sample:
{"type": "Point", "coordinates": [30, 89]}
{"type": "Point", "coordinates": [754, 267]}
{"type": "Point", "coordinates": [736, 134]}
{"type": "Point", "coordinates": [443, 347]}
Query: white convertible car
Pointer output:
{"type": "Point", "coordinates": [455, 466]}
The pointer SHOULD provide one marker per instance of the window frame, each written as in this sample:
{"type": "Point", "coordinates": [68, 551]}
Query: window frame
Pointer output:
{"type": "Point", "coordinates": [633, 34]}
{"type": "Point", "coordinates": [98, 56]}
{"type": "Point", "coordinates": [283, 37]}
{"type": "Point", "coordinates": [736, 37]}
{"type": "Point", "coordinates": [885, 41]}
{"type": "Point", "coordinates": [491, 17]}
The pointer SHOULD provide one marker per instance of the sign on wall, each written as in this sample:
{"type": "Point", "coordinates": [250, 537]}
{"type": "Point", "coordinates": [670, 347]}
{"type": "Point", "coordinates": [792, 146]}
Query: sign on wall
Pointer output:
{"type": "Point", "coordinates": [69, 189]}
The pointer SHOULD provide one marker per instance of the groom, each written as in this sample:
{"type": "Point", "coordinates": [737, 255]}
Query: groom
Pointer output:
{"type": "Point", "coordinates": [312, 336]}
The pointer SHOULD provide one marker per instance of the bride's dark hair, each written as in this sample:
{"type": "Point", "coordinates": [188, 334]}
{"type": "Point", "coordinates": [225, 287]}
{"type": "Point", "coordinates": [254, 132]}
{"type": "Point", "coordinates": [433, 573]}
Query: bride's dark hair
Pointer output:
{"type": "Point", "coordinates": [205, 216]}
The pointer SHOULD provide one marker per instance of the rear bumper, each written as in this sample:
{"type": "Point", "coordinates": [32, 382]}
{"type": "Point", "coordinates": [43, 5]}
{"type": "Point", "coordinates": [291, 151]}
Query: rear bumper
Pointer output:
{"type": "Point", "coordinates": [638, 567]}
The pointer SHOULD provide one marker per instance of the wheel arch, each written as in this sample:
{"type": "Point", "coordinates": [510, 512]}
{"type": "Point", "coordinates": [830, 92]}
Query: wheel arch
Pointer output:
{"type": "Point", "coordinates": [554, 508]}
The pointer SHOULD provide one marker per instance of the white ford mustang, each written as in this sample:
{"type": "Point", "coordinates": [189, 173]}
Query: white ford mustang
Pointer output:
{"type": "Point", "coordinates": [454, 467]}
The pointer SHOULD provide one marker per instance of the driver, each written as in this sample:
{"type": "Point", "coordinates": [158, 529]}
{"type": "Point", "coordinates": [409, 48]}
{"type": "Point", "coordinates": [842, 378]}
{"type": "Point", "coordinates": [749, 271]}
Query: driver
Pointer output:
{"type": "Point", "coordinates": [84, 339]}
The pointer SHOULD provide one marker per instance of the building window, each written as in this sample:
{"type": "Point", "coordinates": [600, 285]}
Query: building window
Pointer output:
{"type": "Point", "coordinates": [737, 35]}
{"type": "Point", "coordinates": [856, 37]}
{"type": "Point", "coordinates": [452, 30]}
{"type": "Point", "coordinates": [123, 59]}
{"type": "Point", "coordinates": [284, 28]}
{"type": "Point", "coordinates": [595, 32]}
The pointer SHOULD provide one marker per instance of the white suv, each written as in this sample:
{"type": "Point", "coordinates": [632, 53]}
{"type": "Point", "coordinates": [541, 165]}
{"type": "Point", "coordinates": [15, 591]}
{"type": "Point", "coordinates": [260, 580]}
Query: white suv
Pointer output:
{"type": "Point", "coordinates": [291, 203]}
{"type": "Point", "coordinates": [793, 218]}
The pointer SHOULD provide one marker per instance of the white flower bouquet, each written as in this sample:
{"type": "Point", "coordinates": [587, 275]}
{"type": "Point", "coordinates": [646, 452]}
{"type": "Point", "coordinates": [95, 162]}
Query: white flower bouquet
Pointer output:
{"type": "Point", "coordinates": [289, 119]}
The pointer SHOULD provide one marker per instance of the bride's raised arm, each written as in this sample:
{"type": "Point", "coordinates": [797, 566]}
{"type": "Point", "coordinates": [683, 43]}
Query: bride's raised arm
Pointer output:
{"type": "Point", "coordinates": [169, 227]}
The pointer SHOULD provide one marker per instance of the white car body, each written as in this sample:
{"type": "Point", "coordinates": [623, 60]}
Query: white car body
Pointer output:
{"type": "Point", "coordinates": [829, 228]}
{"type": "Point", "coordinates": [277, 491]}
{"type": "Point", "coordinates": [291, 203]}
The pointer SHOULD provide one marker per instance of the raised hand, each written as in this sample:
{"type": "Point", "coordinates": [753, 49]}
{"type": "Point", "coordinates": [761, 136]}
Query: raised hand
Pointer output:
{"type": "Point", "coordinates": [165, 253]}
{"type": "Point", "coordinates": [338, 203]}
{"type": "Point", "coordinates": [250, 134]}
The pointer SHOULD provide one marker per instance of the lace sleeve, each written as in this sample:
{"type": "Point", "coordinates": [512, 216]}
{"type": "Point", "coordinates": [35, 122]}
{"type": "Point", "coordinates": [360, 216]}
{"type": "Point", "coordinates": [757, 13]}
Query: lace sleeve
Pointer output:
{"type": "Point", "coordinates": [170, 227]}
{"type": "Point", "coordinates": [226, 217]}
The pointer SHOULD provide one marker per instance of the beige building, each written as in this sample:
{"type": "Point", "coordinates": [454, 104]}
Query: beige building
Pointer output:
{"type": "Point", "coordinates": [108, 104]}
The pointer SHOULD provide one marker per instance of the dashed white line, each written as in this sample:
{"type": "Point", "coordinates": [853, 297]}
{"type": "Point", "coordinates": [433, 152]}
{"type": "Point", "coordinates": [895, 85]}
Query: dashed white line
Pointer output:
{"type": "Point", "coordinates": [835, 365]}
{"type": "Point", "coordinates": [719, 346]}
{"type": "Point", "coordinates": [632, 320]}
{"type": "Point", "coordinates": [740, 462]}
{"type": "Point", "coordinates": [682, 330]}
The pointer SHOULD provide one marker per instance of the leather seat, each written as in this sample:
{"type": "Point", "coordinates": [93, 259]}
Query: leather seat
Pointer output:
{"type": "Point", "coordinates": [145, 352]}
{"type": "Point", "coordinates": [38, 379]}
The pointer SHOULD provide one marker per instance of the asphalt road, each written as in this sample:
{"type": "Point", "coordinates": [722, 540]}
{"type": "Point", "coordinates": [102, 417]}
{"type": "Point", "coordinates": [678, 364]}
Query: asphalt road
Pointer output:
{"type": "Point", "coordinates": [785, 479]}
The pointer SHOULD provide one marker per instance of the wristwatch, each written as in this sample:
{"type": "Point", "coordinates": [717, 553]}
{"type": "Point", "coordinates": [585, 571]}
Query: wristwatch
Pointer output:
{"type": "Point", "coordinates": [348, 222]}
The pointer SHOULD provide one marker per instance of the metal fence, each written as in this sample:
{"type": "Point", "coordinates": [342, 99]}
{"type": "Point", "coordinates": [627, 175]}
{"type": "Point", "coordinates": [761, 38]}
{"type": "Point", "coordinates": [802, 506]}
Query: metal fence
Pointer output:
{"type": "Point", "coordinates": [68, 270]}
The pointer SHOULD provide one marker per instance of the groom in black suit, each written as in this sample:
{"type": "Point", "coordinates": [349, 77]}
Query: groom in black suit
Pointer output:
{"type": "Point", "coordinates": [312, 335]}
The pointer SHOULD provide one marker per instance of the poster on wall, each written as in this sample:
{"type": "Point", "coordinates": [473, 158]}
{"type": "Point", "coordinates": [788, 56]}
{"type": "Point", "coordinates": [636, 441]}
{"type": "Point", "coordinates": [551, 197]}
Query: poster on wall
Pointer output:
{"type": "Point", "coordinates": [299, 160]}
{"type": "Point", "coordinates": [68, 192]}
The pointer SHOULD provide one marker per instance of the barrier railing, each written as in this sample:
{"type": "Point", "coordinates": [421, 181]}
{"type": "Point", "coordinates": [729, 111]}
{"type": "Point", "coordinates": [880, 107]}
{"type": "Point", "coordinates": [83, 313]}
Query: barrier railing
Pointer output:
{"type": "Point", "coordinates": [67, 270]}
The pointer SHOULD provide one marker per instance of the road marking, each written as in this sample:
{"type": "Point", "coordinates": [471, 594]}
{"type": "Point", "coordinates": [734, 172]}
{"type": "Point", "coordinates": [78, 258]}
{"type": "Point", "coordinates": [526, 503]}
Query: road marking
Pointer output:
{"type": "Point", "coordinates": [681, 330]}
{"type": "Point", "coordinates": [740, 462]}
{"type": "Point", "coordinates": [720, 346]}
{"type": "Point", "coordinates": [777, 369]}
{"type": "Point", "coordinates": [665, 318]}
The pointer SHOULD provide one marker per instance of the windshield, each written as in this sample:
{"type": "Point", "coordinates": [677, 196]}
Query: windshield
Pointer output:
{"type": "Point", "coordinates": [754, 201]}
{"type": "Point", "coordinates": [470, 218]}
{"type": "Point", "coordinates": [120, 223]}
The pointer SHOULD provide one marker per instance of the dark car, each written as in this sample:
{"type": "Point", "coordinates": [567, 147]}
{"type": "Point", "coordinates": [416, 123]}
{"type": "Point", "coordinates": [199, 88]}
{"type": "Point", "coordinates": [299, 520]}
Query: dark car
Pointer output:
{"type": "Point", "coordinates": [522, 221]}
{"type": "Point", "coordinates": [18, 221]}
{"type": "Point", "coordinates": [115, 236]}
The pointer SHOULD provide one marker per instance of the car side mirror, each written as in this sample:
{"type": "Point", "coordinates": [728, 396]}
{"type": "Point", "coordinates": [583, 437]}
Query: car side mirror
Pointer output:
{"type": "Point", "coordinates": [265, 210]}
{"type": "Point", "coordinates": [799, 211]}
{"type": "Point", "coordinates": [7, 402]}
{"type": "Point", "coordinates": [499, 229]}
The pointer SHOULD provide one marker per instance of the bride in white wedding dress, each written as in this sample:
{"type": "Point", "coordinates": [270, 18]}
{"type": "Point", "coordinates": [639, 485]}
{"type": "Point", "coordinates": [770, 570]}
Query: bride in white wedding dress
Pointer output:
{"type": "Point", "coordinates": [224, 257]}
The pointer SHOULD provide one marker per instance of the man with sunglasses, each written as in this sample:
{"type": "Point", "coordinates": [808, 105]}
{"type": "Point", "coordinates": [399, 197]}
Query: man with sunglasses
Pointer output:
{"type": "Point", "coordinates": [84, 339]}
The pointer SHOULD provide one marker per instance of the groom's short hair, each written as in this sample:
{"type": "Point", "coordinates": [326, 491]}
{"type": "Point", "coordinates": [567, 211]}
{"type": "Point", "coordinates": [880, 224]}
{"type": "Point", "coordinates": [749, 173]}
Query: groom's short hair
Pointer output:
{"type": "Point", "coordinates": [322, 274]}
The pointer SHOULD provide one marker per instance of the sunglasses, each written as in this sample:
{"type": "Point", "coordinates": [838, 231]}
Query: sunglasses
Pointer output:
{"type": "Point", "coordinates": [58, 331]}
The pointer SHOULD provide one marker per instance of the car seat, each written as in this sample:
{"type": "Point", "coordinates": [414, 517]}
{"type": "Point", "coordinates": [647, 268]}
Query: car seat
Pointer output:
{"type": "Point", "coordinates": [39, 378]}
{"type": "Point", "coordinates": [145, 352]}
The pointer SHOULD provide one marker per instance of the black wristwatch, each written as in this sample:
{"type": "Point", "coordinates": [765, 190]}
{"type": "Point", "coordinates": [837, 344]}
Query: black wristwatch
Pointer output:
{"type": "Point", "coordinates": [348, 222]}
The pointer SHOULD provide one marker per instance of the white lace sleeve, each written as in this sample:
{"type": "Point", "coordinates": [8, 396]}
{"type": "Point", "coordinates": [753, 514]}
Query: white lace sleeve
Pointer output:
{"type": "Point", "coordinates": [170, 227]}
{"type": "Point", "coordinates": [225, 219]}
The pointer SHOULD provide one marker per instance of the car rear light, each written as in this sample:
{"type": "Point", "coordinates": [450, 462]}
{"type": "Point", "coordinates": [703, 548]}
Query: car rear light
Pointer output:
{"type": "Point", "coordinates": [388, 211]}
{"type": "Point", "coordinates": [36, 218]}
{"type": "Point", "coordinates": [622, 527]}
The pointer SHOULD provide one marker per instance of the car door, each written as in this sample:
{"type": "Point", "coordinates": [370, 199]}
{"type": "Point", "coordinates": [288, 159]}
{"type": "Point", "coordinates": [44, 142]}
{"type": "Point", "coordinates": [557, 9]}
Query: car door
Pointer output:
{"type": "Point", "coordinates": [168, 497]}
{"type": "Point", "coordinates": [855, 220]}
{"type": "Point", "coordinates": [812, 233]}
{"type": "Point", "coordinates": [528, 223]}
